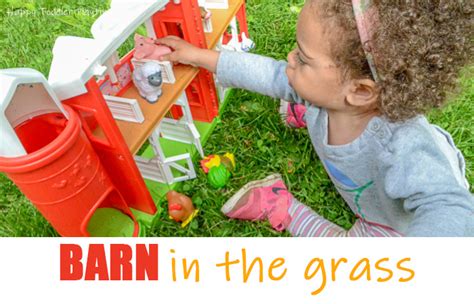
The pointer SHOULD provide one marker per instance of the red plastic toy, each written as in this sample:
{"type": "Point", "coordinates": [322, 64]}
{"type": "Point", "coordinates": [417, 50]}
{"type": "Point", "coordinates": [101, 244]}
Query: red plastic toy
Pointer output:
{"type": "Point", "coordinates": [62, 177]}
{"type": "Point", "coordinates": [64, 150]}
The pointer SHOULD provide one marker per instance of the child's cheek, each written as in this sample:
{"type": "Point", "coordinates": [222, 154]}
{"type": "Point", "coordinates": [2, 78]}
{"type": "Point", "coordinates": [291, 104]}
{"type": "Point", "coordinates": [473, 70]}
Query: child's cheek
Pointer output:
{"type": "Point", "coordinates": [289, 75]}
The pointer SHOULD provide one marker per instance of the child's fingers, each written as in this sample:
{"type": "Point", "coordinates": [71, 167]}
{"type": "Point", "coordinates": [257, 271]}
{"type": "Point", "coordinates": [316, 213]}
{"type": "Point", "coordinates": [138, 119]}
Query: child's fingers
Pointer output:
{"type": "Point", "coordinates": [164, 58]}
{"type": "Point", "coordinates": [171, 41]}
{"type": "Point", "coordinates": [167, 57]}
{"type": "Point", "coordinates": [173, 57]}
{"type": "Point", "coordinates": [181, 49]}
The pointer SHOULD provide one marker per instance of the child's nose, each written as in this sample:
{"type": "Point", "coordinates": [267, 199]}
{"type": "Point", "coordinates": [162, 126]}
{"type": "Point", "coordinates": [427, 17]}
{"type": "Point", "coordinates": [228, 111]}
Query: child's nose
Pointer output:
{"type": "Point", "coordinates": [291, 59]}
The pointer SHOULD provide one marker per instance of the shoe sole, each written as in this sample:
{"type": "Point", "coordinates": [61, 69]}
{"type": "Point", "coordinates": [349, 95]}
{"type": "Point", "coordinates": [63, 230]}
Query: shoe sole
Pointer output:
{"type": "Point", "coordinates": [267, 181]}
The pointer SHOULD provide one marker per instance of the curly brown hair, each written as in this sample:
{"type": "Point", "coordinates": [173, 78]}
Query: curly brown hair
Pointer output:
{"type": "Point", "coordinates": [420, 47]}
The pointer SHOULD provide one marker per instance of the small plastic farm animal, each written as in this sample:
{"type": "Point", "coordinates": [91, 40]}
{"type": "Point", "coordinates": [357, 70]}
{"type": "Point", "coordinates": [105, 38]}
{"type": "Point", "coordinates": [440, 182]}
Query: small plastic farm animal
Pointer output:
{"type": "Point", "coordinates": [148, 80]}
{"type": "Point", "coordinates": [218, 169]}
{"type": "Point", "coordinates": [180, 207]}
{"type": "Point", "coordinates": [206, 19]}
{"type": "Point", "coordinates": [247, 44]}
{"type": "Point", "coordinates": [146, 48]}
{"type": "Point", "coordinates": [205, 13]}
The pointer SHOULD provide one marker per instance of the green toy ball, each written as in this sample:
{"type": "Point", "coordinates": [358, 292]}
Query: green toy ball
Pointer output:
{"type": "Point", "coordinates": [218, 176]}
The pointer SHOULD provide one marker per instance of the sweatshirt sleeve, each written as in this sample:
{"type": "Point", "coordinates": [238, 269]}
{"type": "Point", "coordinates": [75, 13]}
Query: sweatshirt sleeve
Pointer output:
{"type": "Point", "coordinates": [419, 176]}
{"type": "Point", "coordinates": [255, 73]}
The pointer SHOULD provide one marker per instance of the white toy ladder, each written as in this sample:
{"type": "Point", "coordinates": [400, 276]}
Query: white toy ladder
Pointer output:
{"type": "Point", "coordinates": [182, 130]}
{"type": "Point", "coordinates": [161, 168]}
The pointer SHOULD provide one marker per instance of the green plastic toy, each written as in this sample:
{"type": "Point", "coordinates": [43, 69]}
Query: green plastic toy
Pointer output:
{"type": "Point", "coordinates": [218, 176]}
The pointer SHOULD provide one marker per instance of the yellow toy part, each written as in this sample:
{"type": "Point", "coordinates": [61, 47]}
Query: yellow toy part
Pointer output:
{"type": "Point", "coordinates": [212, 161]}
{"type": "Point", "coordinates": [190, 218]}
{"type": "Point", "coordinates": [229, 157]}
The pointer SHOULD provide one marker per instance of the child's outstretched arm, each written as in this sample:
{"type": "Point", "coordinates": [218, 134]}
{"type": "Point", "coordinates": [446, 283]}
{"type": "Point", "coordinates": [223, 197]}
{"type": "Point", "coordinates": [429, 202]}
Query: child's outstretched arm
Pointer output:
{"type": "Point", "coordinates": [235, 69]}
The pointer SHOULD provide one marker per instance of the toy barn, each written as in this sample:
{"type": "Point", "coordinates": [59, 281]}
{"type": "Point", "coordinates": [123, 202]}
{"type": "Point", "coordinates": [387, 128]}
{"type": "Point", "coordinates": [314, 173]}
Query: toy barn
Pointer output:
{"type": "Point", "coordinates": [88, 149]}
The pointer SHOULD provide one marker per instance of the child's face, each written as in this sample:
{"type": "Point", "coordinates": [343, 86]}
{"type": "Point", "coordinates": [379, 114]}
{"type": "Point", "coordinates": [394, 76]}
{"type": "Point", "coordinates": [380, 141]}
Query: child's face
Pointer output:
{"type": "Point", "coordinates": [311, 71]}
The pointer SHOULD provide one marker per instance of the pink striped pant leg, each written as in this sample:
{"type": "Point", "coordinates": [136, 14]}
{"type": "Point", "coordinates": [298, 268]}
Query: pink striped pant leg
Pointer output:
{"type": "Point", "coordinates": [307, 223]}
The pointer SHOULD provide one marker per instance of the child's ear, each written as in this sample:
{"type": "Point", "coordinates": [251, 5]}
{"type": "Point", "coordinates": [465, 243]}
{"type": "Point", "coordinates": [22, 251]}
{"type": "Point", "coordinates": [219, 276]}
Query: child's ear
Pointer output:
{"type": "Point", "coordinates": [362, 92]}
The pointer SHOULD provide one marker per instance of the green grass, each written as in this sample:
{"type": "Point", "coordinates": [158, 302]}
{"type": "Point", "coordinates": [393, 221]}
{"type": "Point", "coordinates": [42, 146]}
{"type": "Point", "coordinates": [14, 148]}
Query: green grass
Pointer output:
{"type": "Point", "coordinates": [250, 127]}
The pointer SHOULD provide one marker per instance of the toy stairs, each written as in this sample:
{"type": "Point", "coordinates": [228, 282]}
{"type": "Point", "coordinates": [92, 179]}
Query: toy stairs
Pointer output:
{"type": "Point", "coordinates": [178, 168]}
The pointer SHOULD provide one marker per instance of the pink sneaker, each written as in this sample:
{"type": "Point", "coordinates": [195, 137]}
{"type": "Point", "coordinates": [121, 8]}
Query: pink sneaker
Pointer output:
{"type": "Point", "coordinates": [262, 199]}
{"type": "Point", "coordinates": [292, 114]}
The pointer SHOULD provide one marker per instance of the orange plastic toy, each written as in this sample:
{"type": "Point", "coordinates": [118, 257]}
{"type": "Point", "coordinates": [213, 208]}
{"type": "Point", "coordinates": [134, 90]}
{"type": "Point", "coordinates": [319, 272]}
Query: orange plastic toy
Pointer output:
{"type": "Point", "coordinates": [180, 207]}
{"type": "Point", "coordinates": [73, 163]}
{"type": "Point", "coordinates": [184, 20]}
{"type": "Point", "coordinates": [61, 174]}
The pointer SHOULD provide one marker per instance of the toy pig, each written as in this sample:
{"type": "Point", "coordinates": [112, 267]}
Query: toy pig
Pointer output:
{"type": "Point", "coordinates": [145, 48]}
{"type": "Point", "coordinates": [148, 80]}
{"type": "Point", "coordinates": [180, 207]}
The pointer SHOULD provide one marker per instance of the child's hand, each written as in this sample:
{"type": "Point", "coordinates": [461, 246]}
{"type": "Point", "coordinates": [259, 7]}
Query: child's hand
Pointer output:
{"type": "Point", "coordinates": [186, 53]}
{"type": "Point", "coordinates": [183, 52]}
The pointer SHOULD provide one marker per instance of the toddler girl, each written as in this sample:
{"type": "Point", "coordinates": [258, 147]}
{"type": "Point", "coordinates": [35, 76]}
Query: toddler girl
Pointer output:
{"type": "Point", "coordinates": [362, 75]}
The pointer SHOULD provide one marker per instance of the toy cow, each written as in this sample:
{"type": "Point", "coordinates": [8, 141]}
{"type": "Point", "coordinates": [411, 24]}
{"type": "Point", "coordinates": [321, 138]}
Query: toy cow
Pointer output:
{"type": "Point", "coordinates": [146, 48]}
{"type": "Point", "coordinates": [148, 80]}
{"type": "Point", "coordinates": [247, 44]}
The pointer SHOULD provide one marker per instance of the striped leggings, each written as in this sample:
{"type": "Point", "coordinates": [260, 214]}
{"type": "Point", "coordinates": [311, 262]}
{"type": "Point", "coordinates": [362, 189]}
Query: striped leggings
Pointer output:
{"type": "Point", "coordinates": [307, 223]}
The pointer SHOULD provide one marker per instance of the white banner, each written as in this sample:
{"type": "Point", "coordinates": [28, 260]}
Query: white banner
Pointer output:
{"type": "Point", "coordinates": [236, 270]}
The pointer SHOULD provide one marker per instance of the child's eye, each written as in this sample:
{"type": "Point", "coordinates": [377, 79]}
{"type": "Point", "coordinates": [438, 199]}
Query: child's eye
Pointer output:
{"type": "Point", "coordinates": [299, 59]}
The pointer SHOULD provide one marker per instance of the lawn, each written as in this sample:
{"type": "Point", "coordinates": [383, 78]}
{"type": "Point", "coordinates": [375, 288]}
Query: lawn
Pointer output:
{"type": "Point", "coordinates": [250, 126]}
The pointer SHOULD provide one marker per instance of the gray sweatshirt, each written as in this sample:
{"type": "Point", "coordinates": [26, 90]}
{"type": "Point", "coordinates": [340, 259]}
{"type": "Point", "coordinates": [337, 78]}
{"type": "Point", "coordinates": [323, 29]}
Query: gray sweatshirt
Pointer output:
{"type": "Point", "coordinates": [408, 176]}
